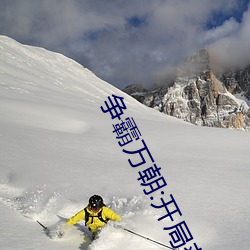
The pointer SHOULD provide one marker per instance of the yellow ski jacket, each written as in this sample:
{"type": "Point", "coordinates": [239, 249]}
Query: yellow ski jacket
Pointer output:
{"type": "Point", "coordinates": [94, 223]}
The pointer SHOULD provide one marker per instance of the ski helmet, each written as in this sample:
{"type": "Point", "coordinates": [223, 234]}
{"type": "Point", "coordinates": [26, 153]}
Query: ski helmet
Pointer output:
{"type": "Point", "coordinates": [95, 202]}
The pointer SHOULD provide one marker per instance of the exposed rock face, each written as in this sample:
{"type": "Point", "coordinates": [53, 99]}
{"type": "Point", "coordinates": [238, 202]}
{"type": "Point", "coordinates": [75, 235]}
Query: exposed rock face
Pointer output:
{"type": "Point", "coordinates": [137, 91]}
{"type": "Point", "coordinates": [198, 96]}
{"type": "Point", "coordinates": [237, 81]}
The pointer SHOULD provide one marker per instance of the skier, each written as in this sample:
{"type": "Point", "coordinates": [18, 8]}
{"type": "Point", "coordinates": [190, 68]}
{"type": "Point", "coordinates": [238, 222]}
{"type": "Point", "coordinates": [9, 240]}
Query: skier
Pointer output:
{"type": "Point", "coordinates": [95, 214]}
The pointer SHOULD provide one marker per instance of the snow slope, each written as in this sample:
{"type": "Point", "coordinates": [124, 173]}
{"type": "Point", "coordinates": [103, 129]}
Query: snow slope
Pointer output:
{"type": "Point", "coordinates": [58, 148]}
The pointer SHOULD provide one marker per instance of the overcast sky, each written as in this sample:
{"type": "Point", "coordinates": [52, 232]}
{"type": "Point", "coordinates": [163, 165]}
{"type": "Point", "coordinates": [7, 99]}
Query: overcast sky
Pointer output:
{"type": "Point", "coordinates": [131, 41]}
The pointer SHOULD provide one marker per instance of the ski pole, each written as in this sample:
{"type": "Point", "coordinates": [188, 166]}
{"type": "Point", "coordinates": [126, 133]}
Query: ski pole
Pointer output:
{"type": "Point", "coordinates": [45, 228]}
{"type": "Point", "coordinates": [147, 238]}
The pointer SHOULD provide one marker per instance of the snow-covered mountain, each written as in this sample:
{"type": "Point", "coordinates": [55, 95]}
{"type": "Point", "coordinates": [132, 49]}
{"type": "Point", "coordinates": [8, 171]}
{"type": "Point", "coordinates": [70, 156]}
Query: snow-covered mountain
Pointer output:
{"type": "Point", "coordinates": [202, 95]}
{"type": "Point", "coordinates": [58, 148]}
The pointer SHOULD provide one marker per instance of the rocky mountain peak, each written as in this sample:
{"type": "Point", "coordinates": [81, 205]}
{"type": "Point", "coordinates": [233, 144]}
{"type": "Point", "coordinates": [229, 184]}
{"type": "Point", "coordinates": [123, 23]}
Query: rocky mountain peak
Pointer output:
{"type": "Point", "coordinates": [202, 97]}
{"type": "Point", "coordinates": [196, 64]}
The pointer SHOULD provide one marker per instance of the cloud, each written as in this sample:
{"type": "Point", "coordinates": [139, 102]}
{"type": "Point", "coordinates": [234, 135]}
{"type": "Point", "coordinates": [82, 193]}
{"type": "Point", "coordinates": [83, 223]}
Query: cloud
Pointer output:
{"type": "Point", "coordinates": [233, 48]}
{"type": "Point", "coordinates": [126, 42]}
{"type": "Point", "coordinates": [228, 28]}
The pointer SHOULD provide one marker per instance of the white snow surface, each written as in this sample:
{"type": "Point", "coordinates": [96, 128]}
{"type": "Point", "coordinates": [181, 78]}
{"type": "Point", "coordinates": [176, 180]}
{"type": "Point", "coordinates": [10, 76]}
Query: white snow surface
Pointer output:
{"type": "Point", "coordinates": [58, 148]}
